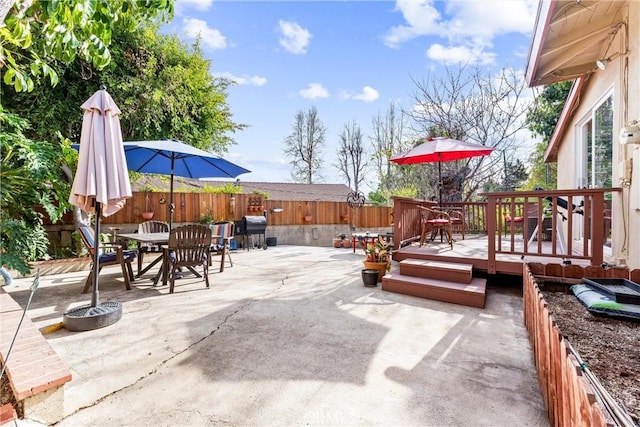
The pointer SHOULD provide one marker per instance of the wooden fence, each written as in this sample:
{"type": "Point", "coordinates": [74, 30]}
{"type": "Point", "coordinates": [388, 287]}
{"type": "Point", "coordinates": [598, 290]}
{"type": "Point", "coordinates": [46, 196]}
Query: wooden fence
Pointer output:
{"type": "Point", "coordinates": [194, 207]}
{"type": "Point", "coordinates": [571, 399]}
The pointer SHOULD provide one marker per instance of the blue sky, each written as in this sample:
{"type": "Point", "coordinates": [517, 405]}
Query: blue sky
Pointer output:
{"type": "Point", "coordinates": [349, 59]}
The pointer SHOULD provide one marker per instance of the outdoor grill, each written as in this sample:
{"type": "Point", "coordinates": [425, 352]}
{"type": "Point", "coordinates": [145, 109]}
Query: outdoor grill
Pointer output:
{"type": "Point", "coordinates": [252, 225]}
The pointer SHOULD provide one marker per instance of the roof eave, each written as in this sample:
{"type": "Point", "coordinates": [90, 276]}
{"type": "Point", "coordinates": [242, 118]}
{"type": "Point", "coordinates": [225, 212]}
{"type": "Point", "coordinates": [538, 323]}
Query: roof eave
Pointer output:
{"type": "Point", "coordinates": [540, 31]}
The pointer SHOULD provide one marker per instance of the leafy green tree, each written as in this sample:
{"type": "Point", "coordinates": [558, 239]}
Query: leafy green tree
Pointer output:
{"type": "Point", "coordinates": [30, 176]}
{"type": "Point", "coordinates": [36, 34]}
{"type": "Point", "coordinates": [542, 118]}
{"type": "Point", "coordinates": [515, 173]}
{"type": "Point", "coordinates": [162, 86]}
{"type": "Point", "coordinates": [36, 38]}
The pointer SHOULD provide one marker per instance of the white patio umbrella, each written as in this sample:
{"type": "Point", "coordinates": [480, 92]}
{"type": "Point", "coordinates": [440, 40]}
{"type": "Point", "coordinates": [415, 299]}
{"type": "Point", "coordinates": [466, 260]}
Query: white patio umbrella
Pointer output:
{"type": "Point", "coordinates": [101, 183]}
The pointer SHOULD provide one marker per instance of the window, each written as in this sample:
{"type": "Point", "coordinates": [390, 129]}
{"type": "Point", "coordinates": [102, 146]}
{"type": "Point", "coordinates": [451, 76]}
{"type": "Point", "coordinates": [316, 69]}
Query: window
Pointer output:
{"type": "Point", "coordinates": [595, 147]}
{"type": "Point", "coordinates": [594, 155]}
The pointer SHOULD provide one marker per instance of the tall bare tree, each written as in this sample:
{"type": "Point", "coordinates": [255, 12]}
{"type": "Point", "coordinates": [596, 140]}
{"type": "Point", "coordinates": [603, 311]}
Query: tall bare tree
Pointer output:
{"type": "Point", "coordinates": [304, 146]}
{"type": "Point", "coordinates": [470, 105]}
{"type": "Point", "coordinates": [387, 140]}
{"type": "Point", "coordinates": [351, 155]}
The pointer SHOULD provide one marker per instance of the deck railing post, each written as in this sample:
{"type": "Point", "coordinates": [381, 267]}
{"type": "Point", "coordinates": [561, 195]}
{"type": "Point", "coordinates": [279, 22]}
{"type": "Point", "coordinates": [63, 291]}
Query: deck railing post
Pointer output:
{"type": "Point", "coordinates": [491, 234]}
{"type": "Point", "coordinates": [597, 230]}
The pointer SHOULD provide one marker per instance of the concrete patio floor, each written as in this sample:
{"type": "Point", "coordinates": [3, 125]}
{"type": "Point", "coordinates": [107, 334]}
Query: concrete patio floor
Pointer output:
{"type": "Point", "coordinates": [289, 336]}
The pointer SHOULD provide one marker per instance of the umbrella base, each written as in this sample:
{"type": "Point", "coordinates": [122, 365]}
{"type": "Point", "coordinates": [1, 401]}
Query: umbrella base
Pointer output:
{"type": "Point", "coordinates": [87, 318]}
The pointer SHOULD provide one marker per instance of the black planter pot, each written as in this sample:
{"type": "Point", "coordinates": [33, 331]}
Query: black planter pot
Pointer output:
{"type": "Point", "coordinates": [370, 277]}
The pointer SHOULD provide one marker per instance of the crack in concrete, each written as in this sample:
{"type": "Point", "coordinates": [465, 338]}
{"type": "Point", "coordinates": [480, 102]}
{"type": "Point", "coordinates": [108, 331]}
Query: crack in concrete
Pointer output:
{"type": "Point", "coordinates": [176, 354]}
{"type": "Point", "coordinates": [159, 365]}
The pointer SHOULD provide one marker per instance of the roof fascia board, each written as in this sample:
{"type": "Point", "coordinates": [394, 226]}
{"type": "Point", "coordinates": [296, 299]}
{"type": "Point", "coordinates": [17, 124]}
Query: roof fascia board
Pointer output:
{"type": "Point", "coordinates": [551, 153]}
{"type": "Point", "coordinates": [540, 31]}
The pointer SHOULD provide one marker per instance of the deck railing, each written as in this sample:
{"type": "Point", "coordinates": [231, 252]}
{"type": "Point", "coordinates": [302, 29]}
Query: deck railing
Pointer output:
{"type": "Point", "coordinates": [406, 220]}
{"type": "Point", "coordinates": [474, 214]}
{"type": "Point", "coordinates": [574, 222]}
{"type": "Point", "coordinates": [567, 224]}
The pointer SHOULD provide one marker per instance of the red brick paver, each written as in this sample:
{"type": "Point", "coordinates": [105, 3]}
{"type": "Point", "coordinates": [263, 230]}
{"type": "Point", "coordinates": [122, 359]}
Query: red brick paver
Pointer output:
{"type": "Point", "coordinates": [33, 364]}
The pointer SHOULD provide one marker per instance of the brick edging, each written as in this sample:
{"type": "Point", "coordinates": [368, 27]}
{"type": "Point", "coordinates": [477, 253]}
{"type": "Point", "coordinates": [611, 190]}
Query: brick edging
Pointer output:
{"type": "Point", "coordinates": [33, 365]}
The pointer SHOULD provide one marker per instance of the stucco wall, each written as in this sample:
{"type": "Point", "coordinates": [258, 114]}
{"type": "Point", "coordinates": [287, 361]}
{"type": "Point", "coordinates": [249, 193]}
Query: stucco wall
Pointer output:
{"type": "Point", "coordinates": [623, 75]}
{"type": "Point", "coordinates": [314, 235]}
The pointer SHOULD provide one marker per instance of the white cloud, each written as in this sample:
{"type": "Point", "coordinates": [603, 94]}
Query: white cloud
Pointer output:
{"type": "Point", "coordinates": [459, 54]}
{"type": "Point", "coordinates": [243, 80]}
{"type": "Point", "coordinates": [195, 4]}
{"type": "Point", "coordinates": [422, 19]}
{"type": "Point", "coordinates": [487, 19]}
{"type": "Point", "coordinates": [314, 91]}
{"type": "Point", "coordinates": [293, 38]}
{"type": "Point", "coordinates": [368, 94]}
{"type": "Point", "coordinates": [468, 26]}
{"type": "Point", "coordinates": [210, 37]}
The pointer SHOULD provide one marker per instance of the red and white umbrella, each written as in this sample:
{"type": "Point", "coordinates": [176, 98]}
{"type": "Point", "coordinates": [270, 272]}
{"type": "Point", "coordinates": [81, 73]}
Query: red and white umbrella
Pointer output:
{"type": "Point", "coordinates": [441, 150]}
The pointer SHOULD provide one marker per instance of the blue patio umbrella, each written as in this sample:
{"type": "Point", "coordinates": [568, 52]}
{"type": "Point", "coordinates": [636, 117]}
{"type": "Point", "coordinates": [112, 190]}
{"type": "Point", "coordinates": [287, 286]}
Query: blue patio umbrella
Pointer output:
{"type": "Point", "coordinates": [175, 158]}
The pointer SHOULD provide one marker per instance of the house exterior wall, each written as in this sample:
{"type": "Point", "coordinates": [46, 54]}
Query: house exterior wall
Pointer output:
{"type": "Point", "coordinates": [625, 81]}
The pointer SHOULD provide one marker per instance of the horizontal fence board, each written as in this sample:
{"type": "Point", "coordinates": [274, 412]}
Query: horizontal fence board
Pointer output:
{"type": "Point", "coordinates": [212, 207]}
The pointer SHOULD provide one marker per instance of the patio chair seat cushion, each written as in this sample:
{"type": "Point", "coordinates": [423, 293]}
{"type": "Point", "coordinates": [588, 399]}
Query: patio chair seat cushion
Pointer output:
{"type": "Point", "coordinates": [221, 235]}
{"type": "Point", "coordinates": [111, 256]}
{"type": "Point", "coordinates": [438, 221]}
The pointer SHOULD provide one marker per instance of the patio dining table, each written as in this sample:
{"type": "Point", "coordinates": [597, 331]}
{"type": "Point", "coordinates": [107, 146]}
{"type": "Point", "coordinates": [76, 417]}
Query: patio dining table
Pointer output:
{"type": "Point", "coordinates": [145, 239]}
{"type": "Point", "coordinates": [161, 239]}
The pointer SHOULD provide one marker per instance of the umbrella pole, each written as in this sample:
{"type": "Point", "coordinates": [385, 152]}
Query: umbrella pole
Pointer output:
{"type": "Point", "coordinates": [96, 256]}
{"type": "Point", "coordinates": [172, 207]}
{"type": "Point", "coordinates": [440, 183]}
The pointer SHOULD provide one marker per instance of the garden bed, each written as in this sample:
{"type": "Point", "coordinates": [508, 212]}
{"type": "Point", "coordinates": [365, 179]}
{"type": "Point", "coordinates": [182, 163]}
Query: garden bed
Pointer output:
{"type": "Point", "coordinates": [609, 347]}
{"type": "Point", "coordinates": [606, 347]}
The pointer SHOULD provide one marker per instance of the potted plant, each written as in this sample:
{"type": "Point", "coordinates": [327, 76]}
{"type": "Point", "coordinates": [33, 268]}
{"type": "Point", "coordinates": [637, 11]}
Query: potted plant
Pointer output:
{"type": "Point", "coordinates": [378, 256]}
{"type": "Point", "coordinates": [346, 242]}
{"type": "Point", "coordinates": [148, 213]}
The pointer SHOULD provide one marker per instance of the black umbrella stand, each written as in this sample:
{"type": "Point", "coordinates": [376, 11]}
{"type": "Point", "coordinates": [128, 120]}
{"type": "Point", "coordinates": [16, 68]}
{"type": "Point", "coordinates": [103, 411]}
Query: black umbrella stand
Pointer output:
{"type": "Point", "coordinates": [97, 315]}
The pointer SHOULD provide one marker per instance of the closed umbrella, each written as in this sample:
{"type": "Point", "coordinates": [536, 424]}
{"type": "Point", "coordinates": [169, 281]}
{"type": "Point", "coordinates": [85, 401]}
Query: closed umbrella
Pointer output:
{"type": "Point", "coordinates": [173, 157]}
{"type": "Point", "coordinates": [441, 150]}
{"type": "Point", "coordinates": [101, 183]}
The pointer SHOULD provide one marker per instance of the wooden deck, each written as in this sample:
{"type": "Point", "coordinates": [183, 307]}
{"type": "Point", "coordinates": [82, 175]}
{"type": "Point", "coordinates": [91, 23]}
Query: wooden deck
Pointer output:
{"type": "Point", "coordinates": [474, 250]}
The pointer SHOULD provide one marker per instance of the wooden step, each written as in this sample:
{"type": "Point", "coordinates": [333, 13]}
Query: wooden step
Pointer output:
{"type": "Point", "coordinates": [472, 294]}
{"type": "Point", "coordinates": [448, 271]}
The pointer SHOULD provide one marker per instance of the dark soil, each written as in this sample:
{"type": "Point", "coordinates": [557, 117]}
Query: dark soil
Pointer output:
{"type": "Point", "coordinates": [609, 347]}
{"type": "Point", "coordinates": [6, 395]}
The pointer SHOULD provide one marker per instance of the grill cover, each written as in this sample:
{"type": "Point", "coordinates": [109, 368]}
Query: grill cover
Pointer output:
{"type": "Point", "coordinates": [239, 228]}
{"type": "Point", "coordinates": [254, 224]}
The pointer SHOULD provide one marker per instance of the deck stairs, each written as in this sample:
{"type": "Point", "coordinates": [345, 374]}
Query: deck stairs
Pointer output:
{"type": "Point", "coordinates": [441, 281]}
